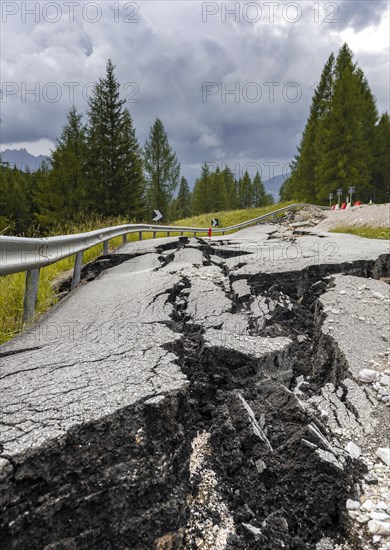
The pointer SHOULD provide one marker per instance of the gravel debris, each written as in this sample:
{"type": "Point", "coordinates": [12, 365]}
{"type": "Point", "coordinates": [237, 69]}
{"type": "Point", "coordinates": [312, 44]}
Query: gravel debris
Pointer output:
{"type": "Point", "coordinates": [374, 215]}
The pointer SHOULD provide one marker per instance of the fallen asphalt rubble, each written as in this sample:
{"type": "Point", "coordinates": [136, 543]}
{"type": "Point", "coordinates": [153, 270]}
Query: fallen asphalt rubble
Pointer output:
{"type": "Point", "coordinates": [226, 393]}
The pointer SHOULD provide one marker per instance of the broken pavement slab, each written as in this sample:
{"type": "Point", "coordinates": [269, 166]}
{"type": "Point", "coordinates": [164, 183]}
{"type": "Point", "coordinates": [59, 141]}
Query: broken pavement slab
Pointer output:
{"type": "Point", "coordinates": [85, 393]}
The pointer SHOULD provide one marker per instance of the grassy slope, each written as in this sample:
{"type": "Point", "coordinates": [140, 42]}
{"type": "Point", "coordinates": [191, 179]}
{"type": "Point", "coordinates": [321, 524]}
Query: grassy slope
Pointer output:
{"type": "Point", "coordinates": [230, 217]}
{"type": "Point", "coordinates": [12, 286]}
{"type": "Point", "coordinates": [364, 231]}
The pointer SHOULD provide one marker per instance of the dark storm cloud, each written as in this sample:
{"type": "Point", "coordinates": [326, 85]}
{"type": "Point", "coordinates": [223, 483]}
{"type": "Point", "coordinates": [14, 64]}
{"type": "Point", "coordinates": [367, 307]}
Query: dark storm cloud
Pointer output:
{"type": "Point", "coordinates": [359, 14]}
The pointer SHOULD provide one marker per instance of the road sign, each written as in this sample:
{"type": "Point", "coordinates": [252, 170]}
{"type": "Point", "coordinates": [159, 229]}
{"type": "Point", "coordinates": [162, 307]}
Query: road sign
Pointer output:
{"type": "Point", "coordinates": [157, 216]}
{"type": "Point", "coordinates": [215, 222]}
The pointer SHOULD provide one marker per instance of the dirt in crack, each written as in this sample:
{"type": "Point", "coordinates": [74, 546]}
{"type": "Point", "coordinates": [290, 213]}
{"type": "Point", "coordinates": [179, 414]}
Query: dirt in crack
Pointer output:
{"type": "Point", "coordinates": [280, 473]}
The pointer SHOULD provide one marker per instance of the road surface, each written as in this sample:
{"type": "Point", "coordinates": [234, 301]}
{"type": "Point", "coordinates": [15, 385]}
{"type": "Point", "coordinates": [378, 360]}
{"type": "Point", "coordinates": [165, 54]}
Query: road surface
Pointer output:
{"type": "Point", "coordinates": [200, 394]}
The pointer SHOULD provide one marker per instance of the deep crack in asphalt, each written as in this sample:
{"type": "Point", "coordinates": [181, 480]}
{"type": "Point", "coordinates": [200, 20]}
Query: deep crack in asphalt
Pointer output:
{"type": "Point", "coordinates": [285, 480]}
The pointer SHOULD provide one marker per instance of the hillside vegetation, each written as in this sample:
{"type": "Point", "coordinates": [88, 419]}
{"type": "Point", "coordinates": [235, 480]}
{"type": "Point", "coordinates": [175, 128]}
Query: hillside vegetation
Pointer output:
{"type": "Point", "coordinates": [232, 217]}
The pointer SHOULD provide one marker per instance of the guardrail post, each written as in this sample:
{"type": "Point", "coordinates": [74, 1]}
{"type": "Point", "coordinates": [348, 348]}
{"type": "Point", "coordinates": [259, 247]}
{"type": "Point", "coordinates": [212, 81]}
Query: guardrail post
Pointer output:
{"type": "Point", "coordinates": [105, 248]}
{"type": "Point", "coordinates": [30, 295]}
{"type": "Point", "coordinates": [154, 234]}
{"type": "Point", "coordinates": [124, 238]}
{"type": "Point", "coordinates": [140, 235]}
{"type": "Point", "coordinates": [194, 233]}
{"type": "Point", "coordinates": [78, 263]}
{"type": "Point", "coordinates": [168, 233]}
{"type": "Point", "coordinates": [182, 233]}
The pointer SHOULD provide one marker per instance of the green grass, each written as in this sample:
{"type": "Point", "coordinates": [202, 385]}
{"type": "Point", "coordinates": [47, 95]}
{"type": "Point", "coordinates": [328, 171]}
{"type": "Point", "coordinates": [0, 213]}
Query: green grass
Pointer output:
{"type": "Point", "coordinates": [12, 286]}
{"type": "Point", "coordinates": [230, 217]}
{"type": "Point", "coordinates": [364, 231]}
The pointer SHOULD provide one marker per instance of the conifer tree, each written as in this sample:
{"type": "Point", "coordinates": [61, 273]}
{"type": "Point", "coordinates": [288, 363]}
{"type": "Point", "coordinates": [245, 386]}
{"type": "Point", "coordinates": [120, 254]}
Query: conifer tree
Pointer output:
{"type": "Point", "coordinates": [259, 197]}
{"type": "Point", "coordinates": [237, 187]}
{"type": "Point", "coordinates": [199, 195]}
{"type": "Point", "coordinates": [183, 207]}
{"type": "Point", "coordinates": [246, 192]}
{"type": "Point", "coordinates": [162, 169]}
{"type": "Point", "coordinates": [230, 188]}
{"type": "Point", "coordinates": [216, 192]}
{"type": "Point", "coordinates": [115, 179]}
{"type": "Point", "coordinates": [345, 155]}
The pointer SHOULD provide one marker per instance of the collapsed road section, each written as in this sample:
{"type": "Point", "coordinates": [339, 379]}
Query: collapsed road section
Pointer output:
{"type": "Point", "coordinates": [206, 394]}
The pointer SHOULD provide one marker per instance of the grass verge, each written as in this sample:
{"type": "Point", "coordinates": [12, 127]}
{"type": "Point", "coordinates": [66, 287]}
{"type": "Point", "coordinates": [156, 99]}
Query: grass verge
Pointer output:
{"type": "Point", "coordinates": [364, 231]}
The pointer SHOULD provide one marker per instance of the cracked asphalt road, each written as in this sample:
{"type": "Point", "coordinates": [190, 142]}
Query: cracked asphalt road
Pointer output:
{"type": "Point", "coordinates": [104, 381]}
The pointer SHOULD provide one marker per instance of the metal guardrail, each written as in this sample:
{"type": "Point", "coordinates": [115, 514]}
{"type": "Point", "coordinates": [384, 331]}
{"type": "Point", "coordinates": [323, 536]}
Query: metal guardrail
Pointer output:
{"type": "Point", "coordinates": [18, 254]}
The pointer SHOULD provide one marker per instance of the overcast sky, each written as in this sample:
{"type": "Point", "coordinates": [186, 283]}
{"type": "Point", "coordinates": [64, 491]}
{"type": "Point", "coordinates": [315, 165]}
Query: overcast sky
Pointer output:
{"type": "Point", "coordinates": [177, 60]}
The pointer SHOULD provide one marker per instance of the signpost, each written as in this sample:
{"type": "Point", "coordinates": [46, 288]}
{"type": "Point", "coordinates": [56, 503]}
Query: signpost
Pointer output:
{"type": "Point", "coordinates": [339, 192]}
{"type": "Point", "coordinates": [330, 199]}
{"type": "Point", "coordinates": [351, 191]}
{"type": "Point", "coordinates": [157, 216]}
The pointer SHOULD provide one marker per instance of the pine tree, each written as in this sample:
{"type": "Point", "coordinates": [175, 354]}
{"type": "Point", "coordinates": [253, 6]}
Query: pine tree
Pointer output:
{"type": "Point", "coordinates": [199, 195]}
{"type": "Point", "coordinates": [115, 176]}
{"type": "Point", "coordinates": [183, 207]}
{"type": "Point", "coordinates": [259, 197]}
{"type": "Point", "coordinates": [132, 192]}
{"type": "Point", "coordinates": [217, 199]}
{"type": "Point", "coordinates": [246, 192]}
{"type": "Point", "coordinates": [230, 188]}
{"type": "Point", "coordinates": [174, 212]}
{"type": "Point", "coordinates": [162, 169]}
{"type": "Point", "coordinates": [237, 187]}
{"type": "Point", "coordinates": [345, 152]}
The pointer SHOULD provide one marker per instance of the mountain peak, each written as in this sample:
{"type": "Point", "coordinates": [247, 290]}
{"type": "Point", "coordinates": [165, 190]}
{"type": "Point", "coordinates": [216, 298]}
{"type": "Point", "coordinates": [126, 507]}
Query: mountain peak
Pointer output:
{"type": "Point", "coordinates": [22, 159]}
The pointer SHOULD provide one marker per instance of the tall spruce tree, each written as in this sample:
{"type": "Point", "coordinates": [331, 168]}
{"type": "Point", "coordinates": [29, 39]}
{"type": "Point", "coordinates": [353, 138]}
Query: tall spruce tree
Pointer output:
{"type": "Point", "coordinates": [246, 192]}
{"type": "Point", "coordinates": [183, 203]}
{"type": "Point", "coordinates": [259, 196]}
{"type": "Point", "coordinates": [216, 192]}
{"type": "Point", "coordinates": [116, 185]}
{"type": "Point", "coordinates": [345, 153]}
{"type": "Point", "coordinates": [199, 195]}
{"type": "Point", "coordinates": [230, 187]}
{"type": "Point", "coordinates": [162, 169]}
